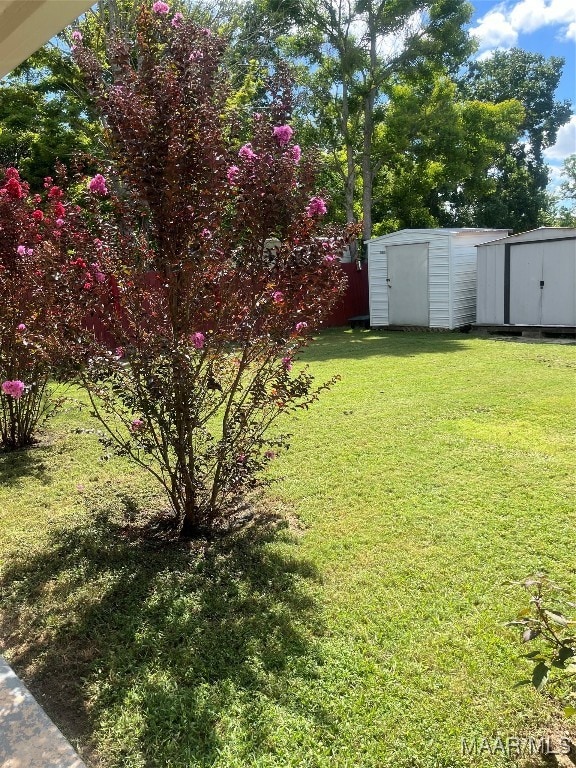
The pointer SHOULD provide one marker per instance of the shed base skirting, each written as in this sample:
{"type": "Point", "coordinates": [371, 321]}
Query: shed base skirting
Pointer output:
{"type": "Point", "coordinates": [419, 328]}
{"type": "Point", "coordinates": [529, 331]}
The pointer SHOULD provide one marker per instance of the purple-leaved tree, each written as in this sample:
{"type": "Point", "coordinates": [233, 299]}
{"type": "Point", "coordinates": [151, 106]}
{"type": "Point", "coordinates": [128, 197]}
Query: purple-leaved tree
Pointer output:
{"type": "Point", "coordinates": [212, 243]}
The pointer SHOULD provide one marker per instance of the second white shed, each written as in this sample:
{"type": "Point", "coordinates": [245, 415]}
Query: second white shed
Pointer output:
{"type": "Point", "coordinates": [425, 277]}
{"type": "Point", "coordinates": [528, 279]}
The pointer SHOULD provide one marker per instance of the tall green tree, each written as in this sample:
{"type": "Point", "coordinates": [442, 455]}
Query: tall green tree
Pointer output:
{"type": "Point", "coordinates": [356, 52]}
{"type": "Point", "coordinates": [43, 115]}
{"type": "Point", "coordinates": [438, 149]}
{"type": "Point", "coordinates": [521, 175]}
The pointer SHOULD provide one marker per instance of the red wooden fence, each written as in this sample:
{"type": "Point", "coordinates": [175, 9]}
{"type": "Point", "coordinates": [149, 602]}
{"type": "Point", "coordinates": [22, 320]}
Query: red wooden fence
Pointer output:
{"type": "Point", "coordinates": [354, 303]}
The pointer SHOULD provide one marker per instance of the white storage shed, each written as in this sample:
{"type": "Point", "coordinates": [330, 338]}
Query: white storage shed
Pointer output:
{"type": "Point", "coordinates": [528, 279]}
{"type": "Point", "coordinates": [425, 277]}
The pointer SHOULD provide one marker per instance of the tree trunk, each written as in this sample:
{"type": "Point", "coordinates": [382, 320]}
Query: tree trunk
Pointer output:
{"type": "Point", "coordinates": [350, 165]}
{"type": "Point", "coordinates": [368, 130]}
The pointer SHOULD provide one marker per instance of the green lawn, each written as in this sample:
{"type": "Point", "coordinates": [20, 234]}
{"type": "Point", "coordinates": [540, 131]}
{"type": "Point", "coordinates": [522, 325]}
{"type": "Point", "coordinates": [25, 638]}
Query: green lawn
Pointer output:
{"type": "Point", "coordinates": [369, 632]}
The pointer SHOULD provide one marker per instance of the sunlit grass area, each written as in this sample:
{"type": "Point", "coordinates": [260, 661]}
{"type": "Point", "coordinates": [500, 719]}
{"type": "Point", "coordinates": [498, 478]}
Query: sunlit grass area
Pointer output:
{"type": "Point", "coordinates": [361, 623]}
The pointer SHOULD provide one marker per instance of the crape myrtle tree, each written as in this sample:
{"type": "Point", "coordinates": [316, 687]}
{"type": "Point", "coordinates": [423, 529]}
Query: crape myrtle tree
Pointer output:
{"type": "Point", "coordinates": [220, 271]}
{"type": "Point", "coordinates": [40, 280]}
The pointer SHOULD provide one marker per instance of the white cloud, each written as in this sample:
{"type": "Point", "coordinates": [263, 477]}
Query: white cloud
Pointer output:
{"type": "Point", "coordinates": [502, 25]}
{"type": "Point", "coordinates": [565, 142]}
{"type": "Point", "coordinates": [494, 31]}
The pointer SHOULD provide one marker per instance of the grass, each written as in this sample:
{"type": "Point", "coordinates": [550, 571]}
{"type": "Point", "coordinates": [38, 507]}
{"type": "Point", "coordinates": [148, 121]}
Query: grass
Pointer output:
{"type": "Point", "coordinates": [370, 634]}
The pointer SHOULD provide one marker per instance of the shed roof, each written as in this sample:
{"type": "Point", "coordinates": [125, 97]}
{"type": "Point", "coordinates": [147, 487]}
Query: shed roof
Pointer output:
{"type": "Point", "coordinates": [438, 231]}
{"type": "Point", "coordinates": [542, 233]}
{"type": "Point", "coordinates": [25, 25]}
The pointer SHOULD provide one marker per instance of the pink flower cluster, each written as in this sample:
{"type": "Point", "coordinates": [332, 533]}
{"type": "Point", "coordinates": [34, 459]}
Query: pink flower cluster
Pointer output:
{"type": "Point", "coordinates": [278, 297]}
{"type": "Point", "coordinates": [301, 327]}
{"type": "Point", "coordinates": [13, 187]}
{"type": "Point", "coordinates": [14, 388]}
{"type": "Point", "coordinates": [287, 363]}
{"type": "Point", "coordinates": [295, 153]}
{"type": "Point", "coordinates": [283, 134]}
{"type": "Point", "coordinates": [97, 185]}
{"type": "Point", "coordinates": [316, 207]}
{"type": "Point", "coordinates": [247, 152]}
{"type": "Point", "coordinates": [160, 7]}
{"type": "Point", "coordinates": [177, 20]}
{"type": "Point", "coordinates": [97, 273]}
{"type": "Point", "coordinates": [77, 36]}
{"type": "Point", "coordinates": [197, 340]}
{"type": "Point", "coordinates": [232, 174]}
{"type": "Point", "coordinates": [136, 425]}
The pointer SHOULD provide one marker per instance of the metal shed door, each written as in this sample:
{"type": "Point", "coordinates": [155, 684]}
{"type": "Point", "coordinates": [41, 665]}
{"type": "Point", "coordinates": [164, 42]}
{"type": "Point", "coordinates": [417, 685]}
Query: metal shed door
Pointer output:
{"type": "Point", "coordinates": [525, 284]}
{"type": "Point", "coordinates": [408, 302]}
{"type": "Point", "coordinates": [559, 277]}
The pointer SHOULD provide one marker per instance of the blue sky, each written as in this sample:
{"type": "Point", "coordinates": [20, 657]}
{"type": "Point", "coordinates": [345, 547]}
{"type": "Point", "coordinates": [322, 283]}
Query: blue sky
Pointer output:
{"type": "Point", "coordinates": [541, 26]}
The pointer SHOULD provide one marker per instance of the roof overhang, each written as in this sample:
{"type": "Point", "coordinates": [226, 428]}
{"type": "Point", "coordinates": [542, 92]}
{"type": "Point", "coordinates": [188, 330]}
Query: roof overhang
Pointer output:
{"type": "Point", "coordinates": [26, 25]}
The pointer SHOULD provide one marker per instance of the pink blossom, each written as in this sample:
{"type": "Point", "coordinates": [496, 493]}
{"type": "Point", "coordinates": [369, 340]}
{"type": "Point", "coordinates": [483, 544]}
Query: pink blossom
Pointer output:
{"type": "Point", "coordinates": [283, 134]}
{"type": "Point", "coordinates": [12, 173]}
{"type": "Point", "coordinates": [206, 234]}
{"type": "Point", "coordinates": [14, 189]}
{"type": "Point", "coordinates": [197, 340]}
{"type": "Point", "coordinates": [241, 459]}
{"type": "Point", "coordinates": [287, 363]}
{"type": "Point", "coordinates": [37, 215]}
{"type": "Point", "coordinates": [160, 7]}
{"type": "Point", "coordinates": [55, 193]}
{"type": "Point", "coordinates": [232, 174]}
{"type": "Point", "coordinates": [329, 259]}
{"type": "Point", "coordinates": [98, 185]}
{"type": "Point", "coordinates": [196, 56]}
{"type": "Point", "coordinates": [59, 210]}
{"type": "Point", "coordinates": [177, 20]}
{"type": "Point", "coordinates": [21, 250]}
{"type": "Point", "coordinates": [136, 425]}
{"type": "Point", "coordinates": [14, 388]}
{"type": "Point", "coordinates": [296, 153]}
{"type": "Point", "coordinates": [278, 297]}
{"type": "Point", "coordinates": [316, 207]}
{"type": "Point", "coordinates": [301, 326]}
{"type": "Point", "coordinates": [21, 327]}
{"type": "Point", "coordinates": [60, 222]}
{"type": "Point", "coordinates": [77, 36]}
{"type": "Point", "coordinates": [119, 352]}
{"type": "Point", "coordinates": [29, 251]}
{"type": "Point", "coordinates": [206, 32]}
{"type": "Point", "coordinates": [247, 152]}
{"type": "Point", "coordinates": [99, 276]}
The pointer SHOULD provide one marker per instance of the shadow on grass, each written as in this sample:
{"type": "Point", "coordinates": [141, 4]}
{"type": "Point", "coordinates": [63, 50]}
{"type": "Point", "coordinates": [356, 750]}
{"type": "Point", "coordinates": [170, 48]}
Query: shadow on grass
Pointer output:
{"type": "Point", "coordinates": [26, 462]}
{"type": "Point", "coordinates": [174, 650]}
{"type": "Point", "coordinates": [339, 343]}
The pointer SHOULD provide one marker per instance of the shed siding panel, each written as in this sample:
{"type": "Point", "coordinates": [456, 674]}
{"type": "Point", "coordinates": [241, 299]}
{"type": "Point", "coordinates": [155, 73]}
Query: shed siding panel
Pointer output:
{"type": "Point", "coordinates": [378, 288]}
{"type": "Point", "coordinates": [439, 282]}
{"type": "Point", "coordinates": [464, 272]}
{"type": "Point", "coordinates": [490, 284]}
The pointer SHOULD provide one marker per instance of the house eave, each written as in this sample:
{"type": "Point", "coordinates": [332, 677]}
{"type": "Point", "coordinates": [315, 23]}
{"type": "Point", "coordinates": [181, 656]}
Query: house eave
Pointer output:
{"type": "Point", "coordinates": [26, 25]}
